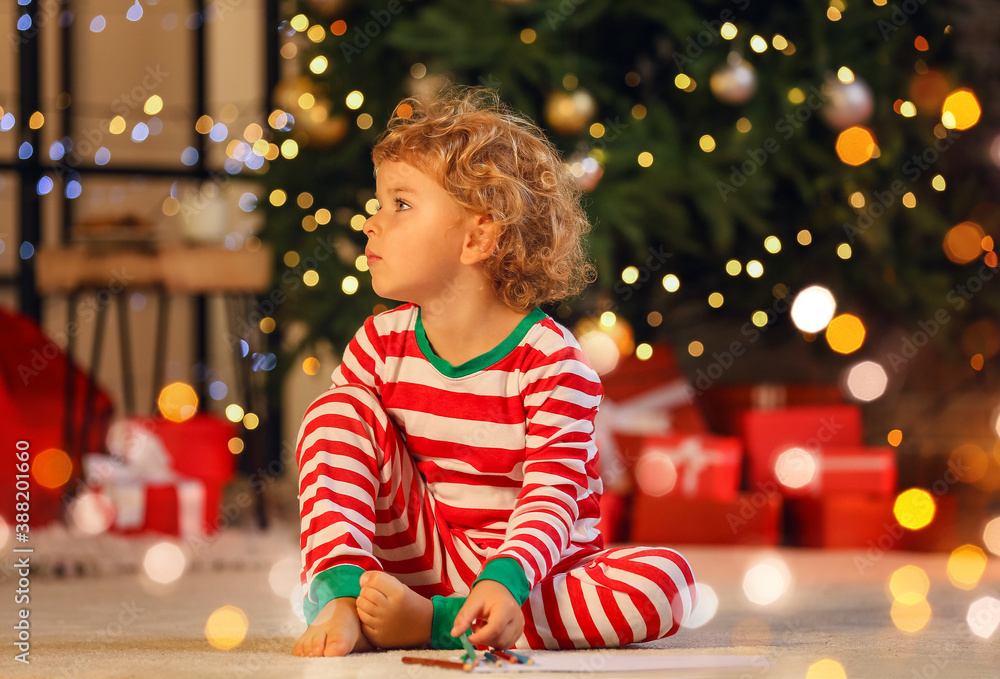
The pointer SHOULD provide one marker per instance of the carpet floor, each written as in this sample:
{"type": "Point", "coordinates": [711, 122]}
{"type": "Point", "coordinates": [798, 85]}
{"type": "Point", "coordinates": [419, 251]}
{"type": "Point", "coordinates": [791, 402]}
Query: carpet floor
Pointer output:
{"type": "Point", "coordinates": [832, 606]}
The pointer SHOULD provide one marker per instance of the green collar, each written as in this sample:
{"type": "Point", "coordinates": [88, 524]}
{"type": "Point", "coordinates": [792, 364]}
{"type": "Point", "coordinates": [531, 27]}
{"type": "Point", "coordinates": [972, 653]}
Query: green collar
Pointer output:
{"type": "Point", "coordinates": [482, 361]}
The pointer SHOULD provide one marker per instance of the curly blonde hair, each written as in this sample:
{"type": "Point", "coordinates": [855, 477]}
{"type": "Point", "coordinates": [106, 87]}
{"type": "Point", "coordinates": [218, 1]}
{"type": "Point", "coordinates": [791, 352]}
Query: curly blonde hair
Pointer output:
{"type": "Point", "coordinates": [497, 163]}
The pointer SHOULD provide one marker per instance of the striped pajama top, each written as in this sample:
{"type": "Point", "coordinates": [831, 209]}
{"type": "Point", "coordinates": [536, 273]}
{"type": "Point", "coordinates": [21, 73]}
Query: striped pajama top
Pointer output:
{"type": "Point", "coordinates": [504, 441]}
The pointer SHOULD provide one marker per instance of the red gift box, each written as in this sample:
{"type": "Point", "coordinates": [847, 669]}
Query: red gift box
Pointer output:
{"type": "Point", "coordinates": [768, 433]}
{"type": "Point", "coordinates": [750, 519]}
{"type": "Point", "coordinates": [690, 465]}
{"type": "Point", "coordinates": [724, 404]}
{"type": "Point", "coordinates": [843, 521]}
{"type": "Point", "coordinates": [173, 507]}
{"type": "Point", "coordinates": [156, 450]}
{"type": "Point", "coordinates": [837, 469]}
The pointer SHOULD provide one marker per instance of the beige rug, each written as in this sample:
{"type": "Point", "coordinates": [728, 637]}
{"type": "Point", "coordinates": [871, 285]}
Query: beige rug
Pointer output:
{"type": "Point", "coordinates": [118, 623]}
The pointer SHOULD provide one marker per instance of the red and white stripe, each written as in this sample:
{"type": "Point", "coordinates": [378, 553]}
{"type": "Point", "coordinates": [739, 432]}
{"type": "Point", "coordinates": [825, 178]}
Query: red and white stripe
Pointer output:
{"type": "Point", "coordinates": [426, 477]}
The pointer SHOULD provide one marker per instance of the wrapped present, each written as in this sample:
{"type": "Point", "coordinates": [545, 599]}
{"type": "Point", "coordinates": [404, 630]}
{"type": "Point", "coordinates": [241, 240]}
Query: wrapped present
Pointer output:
{"type": "Point", "coordinates": [642, 398]}
{"type": "Point", "coordinates": [769, 433]}
{"type": "Point", "coordinates": [748, 519]}
{"type": "Point", "coordinates": [725, 404]}
{"type": "Point", "coordinates": [164, 476]}
{"type": "Point", "coordinates": [148, 500]}
{"type": "Point", "coordinates": [843, 521]}
{"type": "Point", "coordinates": [838, 469]}
{"type": "Point", "coordinates": [198, 448]}
{"type": "Point", "coordinates": [690, 465]}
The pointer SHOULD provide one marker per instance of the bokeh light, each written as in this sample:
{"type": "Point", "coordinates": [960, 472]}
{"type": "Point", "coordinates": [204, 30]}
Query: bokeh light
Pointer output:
{"type": "Point", "coordinates": [966, 566]}
{"type": "Point", "coordinates": [178, 402]}
{"type": "Point", "coordinates": [813, 308]}
{"type": "Point", "coordinates": [226, 628]}
{"type": "Point", "coordinates": [765, 582]}
{"type": "Point", "coordinates": [991, 536]}
{"type": "Point", "coordinates": [795, 468]}
{"type": "Point", "coordinates": [310, 366]}
{"type": "Point", "coordinates": [656, 473]}
{"type": "Point", "coordinates": [845, 333]}
{"type": "Point", "coordinates": [601, 350]}
{"type": "Point", "coordinates": [234, 413]}
{"type": "Point", "coordinates": [705, 609]}
{"type": "Point", "coordinates": [969, 462]}
{"type": "Point", "coordinates": [827, 668]}
{"type": "Point", "coordinates": [164, 562]}
{"type": "Point", "coordinates": [895, 437]}
{"type": "Point", "coordinates": [284, 575]}
{"type": "Point", "coordinates": [909, 584]}
{"type": "Point", "coordinates": [92, 513]}
{"type": "Point", "coordinates": [644, 352]}
{"type": "Point", "coordinates": [984, 616]}
{"type": "Point", "coordinates": [671, 283]}
{"type": "Point", "coordinates": [855, 145]}
{"type": "Point", "coordinates": [964, 242]}
{"type": "Point", "coordinates": [960, 110]}
{"type": "Point", "coordinates": [914, 508]}
{"type": "Point", "coordinates": [911, 617]}
{"type": "Point", "coordinates": [51, 468]}
{"type": "Point", "coordinates": [866, 381]}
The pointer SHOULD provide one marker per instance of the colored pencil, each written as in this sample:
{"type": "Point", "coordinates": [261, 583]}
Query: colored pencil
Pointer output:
{"type": "Point", "coordinates": [469, 648]}
{"type": "Point", "coordinates": [434, 662]}
{"type": "Point", "coordinates": [511, 656]}
{"type": "Point", "coordinates": [489, 657]}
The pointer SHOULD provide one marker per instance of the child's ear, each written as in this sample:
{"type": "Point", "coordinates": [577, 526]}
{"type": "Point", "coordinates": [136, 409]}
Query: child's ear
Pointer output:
{"type": "Point", "coordinates": [480, 240]}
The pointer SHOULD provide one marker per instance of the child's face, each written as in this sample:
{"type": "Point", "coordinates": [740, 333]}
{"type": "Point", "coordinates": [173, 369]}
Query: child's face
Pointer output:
{"type": "Point", "coordinates": [417, 238]}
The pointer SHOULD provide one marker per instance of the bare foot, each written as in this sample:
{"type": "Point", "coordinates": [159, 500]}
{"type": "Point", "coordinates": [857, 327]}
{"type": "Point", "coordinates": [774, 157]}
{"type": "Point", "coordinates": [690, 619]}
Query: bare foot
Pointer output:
{"type": "Point", "coordinates": [336, 631]}
{"type": "Point", "coordinates": [393, 615]}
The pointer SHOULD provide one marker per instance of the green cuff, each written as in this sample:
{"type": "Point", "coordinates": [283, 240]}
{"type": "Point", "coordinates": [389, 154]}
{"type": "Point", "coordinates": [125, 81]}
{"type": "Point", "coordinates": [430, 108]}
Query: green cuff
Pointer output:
{"type": "Point", "coordinates": [334, 583]}
{"type": "Point", "coordinates": [508, 572]}
{"type": "Point", "coordinates": [445, 611]}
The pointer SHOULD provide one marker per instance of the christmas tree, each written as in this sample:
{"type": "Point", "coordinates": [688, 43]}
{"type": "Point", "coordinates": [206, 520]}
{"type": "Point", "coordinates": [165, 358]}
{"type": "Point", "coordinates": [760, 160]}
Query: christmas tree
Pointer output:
{"type": "Point", "coordinates": [733, 153]}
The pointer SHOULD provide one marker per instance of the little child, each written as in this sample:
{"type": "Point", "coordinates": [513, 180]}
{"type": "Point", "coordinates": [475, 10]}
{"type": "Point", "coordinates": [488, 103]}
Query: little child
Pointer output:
{"type": "Point", "coordinates": [449, 477]}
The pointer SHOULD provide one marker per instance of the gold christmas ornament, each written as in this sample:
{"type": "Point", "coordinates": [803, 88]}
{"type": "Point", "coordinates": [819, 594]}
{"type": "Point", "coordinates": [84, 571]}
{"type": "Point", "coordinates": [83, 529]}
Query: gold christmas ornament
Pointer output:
{"type": "Point", "coordinates": [568, 113]}
{"type": "Point", "coordinates": [734, 82]}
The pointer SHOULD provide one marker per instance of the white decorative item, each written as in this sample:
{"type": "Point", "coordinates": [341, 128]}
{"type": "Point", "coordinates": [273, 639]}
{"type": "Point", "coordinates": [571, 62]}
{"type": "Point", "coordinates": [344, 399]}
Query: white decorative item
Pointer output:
{"type": "Point", "coordinates": [847, 104]}
{"type": "Point", "coordinates": [735, 81]}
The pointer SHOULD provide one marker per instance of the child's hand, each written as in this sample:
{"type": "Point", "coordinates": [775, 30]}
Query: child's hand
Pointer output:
{"type": "Point", "coordinates": [504, 620]}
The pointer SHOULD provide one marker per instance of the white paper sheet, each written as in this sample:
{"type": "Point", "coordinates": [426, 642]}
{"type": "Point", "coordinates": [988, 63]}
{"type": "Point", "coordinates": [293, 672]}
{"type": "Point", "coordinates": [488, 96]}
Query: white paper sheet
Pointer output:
{"type": "Point", "coordinates": [597, 661]}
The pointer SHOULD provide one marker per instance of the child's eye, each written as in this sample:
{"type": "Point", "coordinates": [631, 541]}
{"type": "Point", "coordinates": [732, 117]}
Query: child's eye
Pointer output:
{"type": "Point", "coordinates": [401, 205]}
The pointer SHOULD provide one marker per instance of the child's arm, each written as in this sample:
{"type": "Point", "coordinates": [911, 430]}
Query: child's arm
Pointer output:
{"type": "Point", "coordinates": [561, 484]}
{"type": "Point", "coordinates": [363, 360]}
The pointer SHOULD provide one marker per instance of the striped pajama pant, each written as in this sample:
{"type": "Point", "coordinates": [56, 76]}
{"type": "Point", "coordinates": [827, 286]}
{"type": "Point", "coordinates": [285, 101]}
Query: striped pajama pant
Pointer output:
{"type": "Point", "coordinates": [363, 502]}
